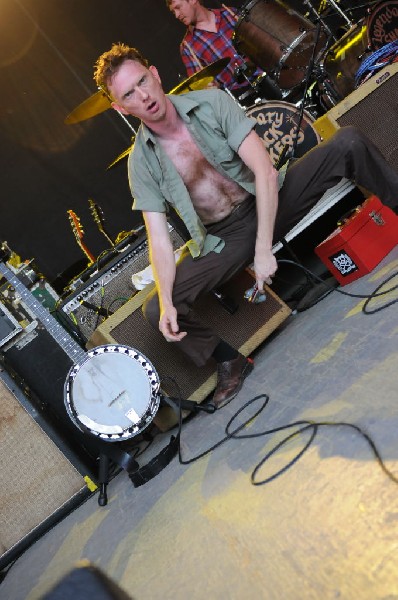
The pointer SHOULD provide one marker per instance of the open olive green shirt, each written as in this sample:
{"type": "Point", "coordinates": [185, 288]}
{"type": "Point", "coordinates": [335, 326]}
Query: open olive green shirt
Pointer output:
{"type": "Point", "coordinates": [218, 125]}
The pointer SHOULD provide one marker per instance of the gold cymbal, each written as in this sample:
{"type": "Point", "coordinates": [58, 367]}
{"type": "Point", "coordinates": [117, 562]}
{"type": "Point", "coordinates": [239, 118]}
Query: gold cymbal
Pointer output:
{"type": "Point", "coordinates": [202, 78]}
{"type": "Point", "coordinates": [94, 105]}
{"type": "Point", "coordinates": [122, 155]}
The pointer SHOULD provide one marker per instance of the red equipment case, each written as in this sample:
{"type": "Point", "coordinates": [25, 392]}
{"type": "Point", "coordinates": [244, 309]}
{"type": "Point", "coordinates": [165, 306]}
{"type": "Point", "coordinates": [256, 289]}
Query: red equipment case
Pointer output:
{"type": "Point", "coordinates": [360, 242]}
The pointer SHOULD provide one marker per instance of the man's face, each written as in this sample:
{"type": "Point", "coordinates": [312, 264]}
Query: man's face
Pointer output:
{"type": "Point", "coordinates": [137, 91]}
{"type": "Point", "coordinates": [184, 11]}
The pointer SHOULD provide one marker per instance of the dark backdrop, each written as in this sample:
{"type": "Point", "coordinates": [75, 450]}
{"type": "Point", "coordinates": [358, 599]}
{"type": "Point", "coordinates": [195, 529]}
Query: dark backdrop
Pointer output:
{"type": "Point", "coordinates": [47, 52]}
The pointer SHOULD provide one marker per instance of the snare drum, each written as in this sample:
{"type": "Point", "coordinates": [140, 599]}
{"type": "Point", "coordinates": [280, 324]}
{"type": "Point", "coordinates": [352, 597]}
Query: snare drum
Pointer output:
{"type": "Point", "coordinates": [113, 393]}
{"type": "Point", "coordinates": [277, 125]}
{"type": "Point", "coordinates": [277, 40]}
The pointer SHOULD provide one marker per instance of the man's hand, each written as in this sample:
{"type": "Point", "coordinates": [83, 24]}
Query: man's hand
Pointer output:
{"type": "Point", "coordinates": [169, 327]}
{"type": "Point", "coordinates": [265, 267]}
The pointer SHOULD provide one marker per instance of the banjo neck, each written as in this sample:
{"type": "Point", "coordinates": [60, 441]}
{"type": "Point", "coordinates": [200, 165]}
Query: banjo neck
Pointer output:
{"type": "Point", "coordinates": [58, 333]}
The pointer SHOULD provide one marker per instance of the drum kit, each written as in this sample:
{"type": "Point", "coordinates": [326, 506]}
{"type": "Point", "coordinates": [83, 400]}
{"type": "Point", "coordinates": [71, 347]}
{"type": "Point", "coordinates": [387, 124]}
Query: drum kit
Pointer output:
{"type": "Point", "coordinates": [310, 53]}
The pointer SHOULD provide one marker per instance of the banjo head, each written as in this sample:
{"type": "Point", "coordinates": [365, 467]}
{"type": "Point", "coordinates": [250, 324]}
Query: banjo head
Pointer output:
{"type": "Point", "coordinates": [112, 393]}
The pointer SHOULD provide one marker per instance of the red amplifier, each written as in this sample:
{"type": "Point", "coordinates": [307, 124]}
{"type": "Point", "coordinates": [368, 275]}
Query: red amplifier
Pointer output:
{"type": "Point", "coordinates": [360, 242]}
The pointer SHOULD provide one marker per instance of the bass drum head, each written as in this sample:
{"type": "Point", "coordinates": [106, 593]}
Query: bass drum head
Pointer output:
{"type": "Point", "coordinates": [383, 24]}
{"type": "Point", "coordinates": [112, 393]}
{"type": "Point", "coordinates": [277, 126]}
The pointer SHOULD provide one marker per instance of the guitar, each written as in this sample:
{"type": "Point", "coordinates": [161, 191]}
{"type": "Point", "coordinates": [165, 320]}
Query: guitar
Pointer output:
{"type": "Point", "coordinates": [99, 219]}
{"type": "Point", "coordinates": [79, 234]}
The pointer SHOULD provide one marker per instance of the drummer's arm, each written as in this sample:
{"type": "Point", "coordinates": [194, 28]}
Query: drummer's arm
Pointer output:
{"type": "Point", "coordinates": [253, 153]}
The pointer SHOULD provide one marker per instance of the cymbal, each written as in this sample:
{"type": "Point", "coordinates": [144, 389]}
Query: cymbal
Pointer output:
{"type": "Point", "coordinates": [122, 155]}
{"type": "Point", "coordinates": [94, 105]}
{"type": "Point", "coordinates": [202, 76]}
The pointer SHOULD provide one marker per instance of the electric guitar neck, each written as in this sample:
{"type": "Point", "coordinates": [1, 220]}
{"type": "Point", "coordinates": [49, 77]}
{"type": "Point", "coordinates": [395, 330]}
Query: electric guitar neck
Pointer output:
{"type": "Point", "coordinates": [99, 219]}
{"type": "Point", "coordinates": [79, 235]}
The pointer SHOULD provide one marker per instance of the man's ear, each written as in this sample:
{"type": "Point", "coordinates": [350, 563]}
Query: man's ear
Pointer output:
{"type": "Point", "coordinates": [155, 73]}
{"type": "Point", "coordinates": [116, 106]}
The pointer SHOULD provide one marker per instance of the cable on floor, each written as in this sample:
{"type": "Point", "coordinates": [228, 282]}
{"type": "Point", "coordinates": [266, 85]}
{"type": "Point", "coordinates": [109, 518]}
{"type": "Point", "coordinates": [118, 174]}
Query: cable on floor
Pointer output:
{"type": "Point", "coordinates": [367, 297]}
{"type": "Point", "coordinates": [303, 426]}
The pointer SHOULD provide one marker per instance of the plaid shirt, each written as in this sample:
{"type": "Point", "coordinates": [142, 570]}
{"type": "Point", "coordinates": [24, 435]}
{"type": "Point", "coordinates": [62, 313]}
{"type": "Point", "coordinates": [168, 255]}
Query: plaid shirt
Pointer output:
{"type": "Point", "coordinates": [200, 48]}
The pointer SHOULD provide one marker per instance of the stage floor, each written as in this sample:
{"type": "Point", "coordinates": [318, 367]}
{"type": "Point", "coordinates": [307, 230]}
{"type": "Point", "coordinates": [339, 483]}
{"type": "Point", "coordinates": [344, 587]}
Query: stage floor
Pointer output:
{"type": "Point", "coordinates": [327, 527]}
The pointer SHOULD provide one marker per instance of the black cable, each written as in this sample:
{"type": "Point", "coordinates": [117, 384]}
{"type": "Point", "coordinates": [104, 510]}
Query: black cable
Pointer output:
{"type": "Point", "coordinates": [368, 297]}
{"type": "Point", "coordinates": [304, 426]}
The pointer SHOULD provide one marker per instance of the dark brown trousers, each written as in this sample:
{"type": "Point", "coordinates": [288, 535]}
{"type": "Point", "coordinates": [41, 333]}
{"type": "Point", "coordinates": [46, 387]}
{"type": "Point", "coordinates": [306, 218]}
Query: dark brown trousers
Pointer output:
{"type": "Point", "coordinates": [347, 154]}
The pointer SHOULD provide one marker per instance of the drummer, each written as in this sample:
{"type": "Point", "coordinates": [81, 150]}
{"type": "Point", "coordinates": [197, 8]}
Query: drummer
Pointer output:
{"type": "Point", "coordinates": [209, 38]}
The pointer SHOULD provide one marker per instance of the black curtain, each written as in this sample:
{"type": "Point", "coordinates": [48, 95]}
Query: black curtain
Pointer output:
{"type": "Point", "coordinates": [47, 52]}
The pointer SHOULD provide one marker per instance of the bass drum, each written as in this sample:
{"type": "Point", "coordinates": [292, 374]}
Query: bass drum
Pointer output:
{"type": "Point", "coordinates": [343, 60]}
{"type": "Point", "coordinates": [277, 39]}
{"type": "Point", "coordinates": [383, 24]}
{"type": "Point", "coordinates": [113, 393]}
{"type": "Point", "coordinates": [277, 124]}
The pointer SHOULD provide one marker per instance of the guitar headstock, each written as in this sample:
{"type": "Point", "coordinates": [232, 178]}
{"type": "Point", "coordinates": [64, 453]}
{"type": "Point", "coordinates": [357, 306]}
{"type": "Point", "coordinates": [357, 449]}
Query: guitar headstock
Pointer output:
{"type": "Point", "coordinates": [76, 225]}
{"type": "Point", "coordinates": [97, 212]}
{"type": "Point", "coordinates": [99, 219]}
{"type": "Point", "coordinates": [79, 234]}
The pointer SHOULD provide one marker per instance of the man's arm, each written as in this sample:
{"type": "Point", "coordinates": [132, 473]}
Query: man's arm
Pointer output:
{"type": "Point", "coordinates": [164, 268]}
{"type": "Point", "coordinates": [256, 157]}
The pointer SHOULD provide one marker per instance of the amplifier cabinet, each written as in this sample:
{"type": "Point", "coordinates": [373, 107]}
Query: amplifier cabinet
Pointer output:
{"type": "Point", "coordinates": [39, 485]}
{"type": "Point", "coordinates": [109, 288]}
{"type": "Point", "coordinates": [372, 108]}
{"type": "Point", "coordinates": [245, 329]}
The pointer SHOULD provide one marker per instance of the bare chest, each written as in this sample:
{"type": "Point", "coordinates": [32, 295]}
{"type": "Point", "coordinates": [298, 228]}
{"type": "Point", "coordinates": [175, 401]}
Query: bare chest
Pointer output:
{"type": "Point", "coordinates": [213, 194]}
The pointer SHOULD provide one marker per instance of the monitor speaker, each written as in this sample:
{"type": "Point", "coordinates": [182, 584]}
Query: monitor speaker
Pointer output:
{"type": "Point", "coordinates": [245, 329]}
{"type": "Point", "coordinates": [372, 108]}
{"type": "Point", "coordinates": [39, 484]}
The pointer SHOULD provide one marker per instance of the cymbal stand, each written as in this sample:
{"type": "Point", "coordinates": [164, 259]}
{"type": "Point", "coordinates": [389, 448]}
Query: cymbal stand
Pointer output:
{"type": "Point", "coordinates": [310, 68]}
{"type": "Point", "coordinates": [341, 12]}
{"type": "Point", "coordinates": [127, 122]}
{"type": "Point", "coordinates": [319, 19]}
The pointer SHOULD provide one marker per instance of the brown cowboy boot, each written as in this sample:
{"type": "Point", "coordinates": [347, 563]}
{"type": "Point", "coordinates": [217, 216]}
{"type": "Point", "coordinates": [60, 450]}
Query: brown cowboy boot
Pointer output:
{"type": "Point", "coordinates": [230, 377]}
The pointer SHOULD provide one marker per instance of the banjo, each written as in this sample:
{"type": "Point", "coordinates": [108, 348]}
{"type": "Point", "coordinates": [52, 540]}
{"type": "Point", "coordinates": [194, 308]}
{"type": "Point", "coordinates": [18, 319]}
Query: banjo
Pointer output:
{"type": "Point", "coordinates": [112, 391]}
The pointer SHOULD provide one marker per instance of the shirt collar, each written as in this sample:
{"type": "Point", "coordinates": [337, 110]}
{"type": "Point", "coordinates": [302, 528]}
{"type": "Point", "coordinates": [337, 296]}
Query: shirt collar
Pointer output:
{"type": "Point", "coordinates": [184, 105]}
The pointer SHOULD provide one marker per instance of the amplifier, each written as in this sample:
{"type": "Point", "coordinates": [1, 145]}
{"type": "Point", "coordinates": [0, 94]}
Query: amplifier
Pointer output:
{"type": "Point", "coordinates": [372, 108]}
{"type": "Point", "coordinates": [39, 484]}
{"type": "Point", "coordinates": [107, 289]}
{"type": "Point", "coordinates": [245, 330]}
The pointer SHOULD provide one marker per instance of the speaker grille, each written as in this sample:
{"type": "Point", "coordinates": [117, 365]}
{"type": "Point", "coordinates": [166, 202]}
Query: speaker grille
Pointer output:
{"type": "Point", "coordinates": [36, 478]}
{"type": "Point", "coordinates": [377, 116]}
{"type": "Point", "coordinates": [373, 109]}
{"type": "Point", "coordinates": [245, 330]}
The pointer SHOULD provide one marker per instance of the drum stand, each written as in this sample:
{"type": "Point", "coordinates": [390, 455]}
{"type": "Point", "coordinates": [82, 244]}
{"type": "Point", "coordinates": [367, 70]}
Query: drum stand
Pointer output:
{"type": "Point", "coordinates": [287, 154]}
{"type": "Point", "coordinates": [318, 19]}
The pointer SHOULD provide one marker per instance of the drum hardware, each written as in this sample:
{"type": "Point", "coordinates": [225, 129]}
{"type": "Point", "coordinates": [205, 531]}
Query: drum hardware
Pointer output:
{"type": "Point", "coordinates": [277, 40]}
{"type": "Point", "coordinates": [342, 60]}
{"type": "Point", "coordinates": [319, 19]}
{"type": "Point", "coordinates": [340, 12]}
